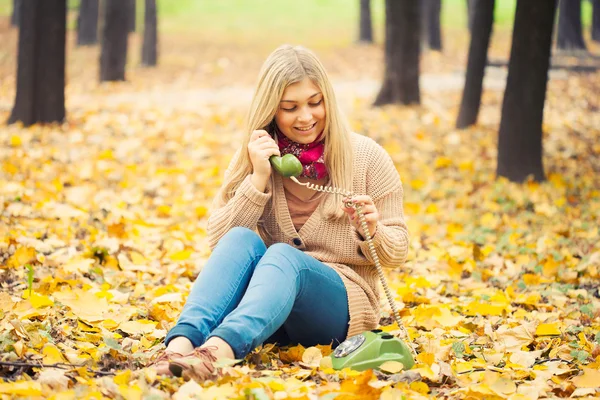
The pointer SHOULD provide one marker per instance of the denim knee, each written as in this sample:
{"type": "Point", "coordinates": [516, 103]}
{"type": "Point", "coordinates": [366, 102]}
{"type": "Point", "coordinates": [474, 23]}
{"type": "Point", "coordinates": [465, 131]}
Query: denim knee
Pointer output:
{"type": "Point", "coordinates": [243, 238]}
{"type": "Point", "coordinates": [284, 252]}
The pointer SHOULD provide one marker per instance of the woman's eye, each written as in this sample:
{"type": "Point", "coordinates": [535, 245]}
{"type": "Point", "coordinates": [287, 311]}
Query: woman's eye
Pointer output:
{"type": "Point", "coordinates": [316, 104]}
{"type": "Point", "coordinates": [288, 109]}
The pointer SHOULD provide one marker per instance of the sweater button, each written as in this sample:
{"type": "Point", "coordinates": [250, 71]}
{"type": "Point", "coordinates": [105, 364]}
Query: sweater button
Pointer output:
{"type": "Point", "coordinates": [297, 242]}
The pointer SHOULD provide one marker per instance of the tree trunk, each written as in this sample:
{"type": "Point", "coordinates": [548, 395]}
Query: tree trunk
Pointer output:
{"type": "Point", "coordinates": [149, 47]}
{"type": "Point", "coordinates": [132, 15]}
{"type": "Point", "coordinates": [570, 36]}
{"type": "Point", "coordinates": [401, 80]}
{"type": "Point", "coordinates": [87, 23]}
{"type": "Point", "coordinates": [15, 16]}
{"type": "Point", "coordinates": [113, 55]}
{"type": "Point", "coordinates": [470, 13]}
{"type": "Point", "coordinates": [596, 21]}
{"type": "Point", "coordinates": [431, 34]}
{"type": "Point", "coordinates": [41, 62]}
{"type": "Point", "coordinates": [366, 28]}
{"type": "Point", "coordinates": [480, 40]}
{"type": "Point", "coordinates": [520, 135]}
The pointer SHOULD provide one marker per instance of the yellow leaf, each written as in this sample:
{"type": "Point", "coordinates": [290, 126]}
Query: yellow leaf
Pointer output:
{"type": "Point", "coordinates": [84, 304]}
{"type": "Point", "coordinates": [476, 307]}
{"type": "Point", "coordinates": [138, 327]}
{"type": "Point", "coordinates": [130, 392]}
{"type": "Point", "coordinates": [38, 301]}
{"type": "Point", "coordinates": [137, 258]}
{"type": "Point", "coordinates": [52, 354]}
{"type": "Point", "coordinates": [312, 356]}
{"type": "Point", "coordinates": [181, 255]}
{"type": "Point", "coordinates": [417, 184]}
{"type": "Point", "coordinates": [420, 387]}
{"type": "Point", "coordinates": [442, 162]}
{"type": "Point", "coordinates": [426, 358]}
{"type": "Point", "coordinates": [29, 388]}
{"type": "Point", "coordinates": [122, 378]}
{"type": "Point", "coordinates": [547, 329]}
{"type": "Point", "coordinates": [164, 210]}
{"type": "Point", "coordinates": [392, 367]}
{"type": "Point", "coordinates": [106, 155]}
{"type": "Point", "coordinates": [23, 255]}
{"type": "Point", "coordinates": [15, 141]}
{"type": "Point", "coordinates": [292, 354]}
{"type": "Point", "coordinates": [201, 211]}
{"type": "Point", "coordinates": [503, 386]}
{"type": "Point", "coordinates": [589, 379]}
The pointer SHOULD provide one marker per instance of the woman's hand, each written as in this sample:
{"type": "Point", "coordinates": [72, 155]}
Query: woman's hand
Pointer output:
{"type": "Point", "coordinates": [368, 210]}
{"type": "Point", "coordinates": [260, 148]}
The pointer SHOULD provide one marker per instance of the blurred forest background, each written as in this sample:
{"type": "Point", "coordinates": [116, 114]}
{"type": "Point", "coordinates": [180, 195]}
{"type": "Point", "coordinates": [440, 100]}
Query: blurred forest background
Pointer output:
{"type": "Point", "coordinates": [119, 117]}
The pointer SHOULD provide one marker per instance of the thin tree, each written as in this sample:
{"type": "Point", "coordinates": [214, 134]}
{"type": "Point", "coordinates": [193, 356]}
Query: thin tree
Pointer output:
{"type": "Point", "coordinates": [520, 134]}
{"type": "Point", "coordinates": [150, 44]}
{"type": "Point", "coordinates": [480, 40]}
{"type": "Point", "coordinates": [113, 55]}
{"type": "Point", "coordinates": [87, 23]}
{"type": "Point", "coordinates": [431, 32]}
{"type": "Point", "coordinates": [41, 62]}
{"type": "Point", "coordinates": [365, 34]}
{"type": "Point", "coordinates": [570, 34]}
{"type": "Point", "coordinates": [401, 80]}
{"type": "Point", "coordinates": [14, 18]}
{"type": "Point", "coordinates": [596, 20]}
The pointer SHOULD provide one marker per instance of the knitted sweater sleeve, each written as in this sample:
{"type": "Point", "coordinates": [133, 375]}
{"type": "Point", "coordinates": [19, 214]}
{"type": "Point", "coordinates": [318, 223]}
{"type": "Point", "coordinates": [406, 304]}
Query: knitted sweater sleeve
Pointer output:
{"type": "Point", "coordinates": [391, 239]}
{"type": "Point", "coordinates": [243, 209]}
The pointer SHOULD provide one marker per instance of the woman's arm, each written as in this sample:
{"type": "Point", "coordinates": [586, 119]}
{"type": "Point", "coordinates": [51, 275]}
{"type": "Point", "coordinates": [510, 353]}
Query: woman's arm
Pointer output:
{"type": "Point", "coordinates": [384, 186]}
{"type": "Point", "coordinates": [243, 209]}
{"type": "Point", "coordinates": [391, 238]}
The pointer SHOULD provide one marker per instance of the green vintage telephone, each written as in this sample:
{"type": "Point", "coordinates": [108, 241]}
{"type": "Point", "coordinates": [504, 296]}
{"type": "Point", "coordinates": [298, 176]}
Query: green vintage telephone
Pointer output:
{"type": "Point", "coordinates": [372, 348]}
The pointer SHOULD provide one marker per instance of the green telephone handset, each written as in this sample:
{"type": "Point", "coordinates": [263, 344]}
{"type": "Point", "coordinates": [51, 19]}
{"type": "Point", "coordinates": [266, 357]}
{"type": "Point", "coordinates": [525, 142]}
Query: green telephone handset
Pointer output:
{"type": "Point", "coordinates": [373, 348]}
{"type": "Point", "coordinates": [286, 166]}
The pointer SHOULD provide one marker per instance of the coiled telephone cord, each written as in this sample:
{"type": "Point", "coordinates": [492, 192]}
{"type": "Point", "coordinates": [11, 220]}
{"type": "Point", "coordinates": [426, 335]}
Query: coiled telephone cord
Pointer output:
{"type": "Point", "coordinates": [374, 256]}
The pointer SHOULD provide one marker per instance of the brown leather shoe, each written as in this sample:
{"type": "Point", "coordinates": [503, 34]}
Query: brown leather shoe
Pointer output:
{"type": "Point", "coordinates": [161, 362]}
{"type": "Point", "coordinates": [198, 365]}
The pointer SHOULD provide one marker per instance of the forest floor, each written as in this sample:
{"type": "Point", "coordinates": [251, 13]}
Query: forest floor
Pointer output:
{"type": "Point", "coordinates": [103, 229]}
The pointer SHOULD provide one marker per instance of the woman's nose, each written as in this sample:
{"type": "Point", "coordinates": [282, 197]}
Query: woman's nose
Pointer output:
{"type": "Point", "coordinates": [305, 115]}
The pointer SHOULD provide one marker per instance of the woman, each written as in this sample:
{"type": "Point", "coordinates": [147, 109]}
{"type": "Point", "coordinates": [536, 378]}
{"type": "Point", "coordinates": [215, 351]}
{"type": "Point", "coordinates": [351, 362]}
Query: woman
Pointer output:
{"type": "Point", "coordinates": [290, 265]}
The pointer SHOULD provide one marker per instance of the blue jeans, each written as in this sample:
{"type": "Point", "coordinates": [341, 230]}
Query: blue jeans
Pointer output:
{"type": "Point", "coordinates": [248, 294]}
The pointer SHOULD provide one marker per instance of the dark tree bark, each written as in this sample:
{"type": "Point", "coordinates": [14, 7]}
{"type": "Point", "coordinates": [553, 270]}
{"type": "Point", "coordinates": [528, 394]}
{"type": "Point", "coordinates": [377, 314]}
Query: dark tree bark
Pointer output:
{"type": "Point", "coordinates": [15, 16]}
{"type": "Point", "coordinates": [132, 15]}
{"type": "Point", "coordinates": [596, 20]}
{"type": "Point", "coordinates": [520, 135]}
{"type": "Point", "coordinates": [149, 47]}
{"type": "Point", "coordinates": [431, 33]}
{"type": "Point", "coordinates": [87, 23]}
{"type": "Point", "coordinates": [480, 40]}
{"type": "Point", "coordinates": [366, 28]}
{"type": "Point", "coordinates": [401, 80]}
{"type": "Point", "coordinates": [113, 55]}
{"type": "Point", "coordinates": [570, 36]}
{"type": "Point", "coordinates": [41, 62]}
{"type": "Point", "coordinates": [470, 13]}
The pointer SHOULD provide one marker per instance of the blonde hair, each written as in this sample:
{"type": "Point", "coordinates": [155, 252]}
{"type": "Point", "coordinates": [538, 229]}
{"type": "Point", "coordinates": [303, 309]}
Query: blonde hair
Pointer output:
{"type": "Point", "coordinates": [285, 66]}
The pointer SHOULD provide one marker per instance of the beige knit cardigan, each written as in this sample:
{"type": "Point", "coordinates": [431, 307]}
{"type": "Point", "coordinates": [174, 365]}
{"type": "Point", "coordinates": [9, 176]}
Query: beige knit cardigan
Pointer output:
{"type": "Point", "coordinates": [335, 243]}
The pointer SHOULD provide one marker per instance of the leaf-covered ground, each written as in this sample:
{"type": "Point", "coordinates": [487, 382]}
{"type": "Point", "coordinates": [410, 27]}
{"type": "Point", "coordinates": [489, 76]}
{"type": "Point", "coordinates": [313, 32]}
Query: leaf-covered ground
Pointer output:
{"type": "Point", "coordinates": [102, 232]}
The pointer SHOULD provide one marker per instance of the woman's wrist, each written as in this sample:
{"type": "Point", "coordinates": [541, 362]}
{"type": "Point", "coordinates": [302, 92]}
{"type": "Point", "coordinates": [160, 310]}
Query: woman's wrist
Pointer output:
{"type": "Point", "coordinates": [259, 182]}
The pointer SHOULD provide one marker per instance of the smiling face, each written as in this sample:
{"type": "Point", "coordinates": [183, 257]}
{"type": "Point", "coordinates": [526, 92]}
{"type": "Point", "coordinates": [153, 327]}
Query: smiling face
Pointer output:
{"type": "Point", "coordinates": [301, 113]}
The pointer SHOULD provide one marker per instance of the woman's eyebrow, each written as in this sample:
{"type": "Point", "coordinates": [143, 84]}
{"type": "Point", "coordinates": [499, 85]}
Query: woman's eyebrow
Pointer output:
{"type": "Point", "coordinates": [294, 101]}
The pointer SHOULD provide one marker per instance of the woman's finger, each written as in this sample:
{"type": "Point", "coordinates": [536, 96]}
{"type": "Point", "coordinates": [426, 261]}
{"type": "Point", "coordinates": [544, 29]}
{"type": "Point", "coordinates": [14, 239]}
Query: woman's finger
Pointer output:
{"type": "Point", "coordinates": [362, 199]}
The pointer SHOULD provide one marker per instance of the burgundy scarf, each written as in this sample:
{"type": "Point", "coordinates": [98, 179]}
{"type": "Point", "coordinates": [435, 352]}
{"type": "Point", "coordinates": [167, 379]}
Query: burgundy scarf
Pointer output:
{"type": "Point", "coordinates": [310, 155]}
